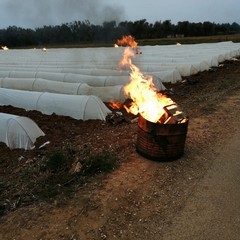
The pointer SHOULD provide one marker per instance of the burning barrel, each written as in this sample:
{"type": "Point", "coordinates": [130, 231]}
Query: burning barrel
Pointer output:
{"type": "Point", "coordinates": [162, 141]}
{"type": "Point", "coordinates": [162, 126]}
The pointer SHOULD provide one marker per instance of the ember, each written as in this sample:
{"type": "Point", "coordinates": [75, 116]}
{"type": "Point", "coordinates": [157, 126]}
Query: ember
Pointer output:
{"type": "Point", "coordinates": [115, 105]}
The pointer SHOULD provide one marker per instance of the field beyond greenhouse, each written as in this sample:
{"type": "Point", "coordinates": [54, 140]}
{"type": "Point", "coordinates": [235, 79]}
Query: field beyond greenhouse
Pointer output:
{"type": "Point", "coordinates": [88, 181]}
{"type": "Point", "coordinates": [191, 40]}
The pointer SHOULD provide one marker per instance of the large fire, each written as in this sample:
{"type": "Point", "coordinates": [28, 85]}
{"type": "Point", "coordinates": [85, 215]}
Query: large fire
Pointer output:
{"type": "Point", "coordinates": [145, 98]}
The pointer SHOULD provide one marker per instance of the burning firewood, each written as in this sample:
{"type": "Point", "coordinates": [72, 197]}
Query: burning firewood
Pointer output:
{"type": "Point", "coordinates": [175, 114]}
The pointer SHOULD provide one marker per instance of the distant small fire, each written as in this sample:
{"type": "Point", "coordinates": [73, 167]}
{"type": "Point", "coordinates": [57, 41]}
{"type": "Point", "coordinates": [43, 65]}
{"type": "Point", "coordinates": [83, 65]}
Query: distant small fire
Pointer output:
{"type": "Point", "coordinates": [4, 47]}
{"type": "Point", "coordinates": [128, 41]}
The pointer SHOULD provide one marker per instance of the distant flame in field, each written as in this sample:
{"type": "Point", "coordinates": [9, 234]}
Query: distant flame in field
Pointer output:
{"type": "Point", "coordinates": [128, 41]}
{"type": "Point", "coordinates": [145, 98]}
{"type": "Point", "coordinates": [4, 47]}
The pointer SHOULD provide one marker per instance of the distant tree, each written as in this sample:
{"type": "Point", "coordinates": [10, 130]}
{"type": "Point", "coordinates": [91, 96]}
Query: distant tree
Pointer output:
{"type": "Point", "coordinates": [123, 29]}
{"type": "Point", "coordinates": [167, 28]}
{"type": "Point", "coordinates": [64, 34]}
{"type": "Point", "coordinates": [235, 28]}
{"type": "Point", "coordinates": [196, 29]}
{"type": "Point", "coordinates": [46, 35]}
{"type": "Point", "coordinates": [108, 31]}
{"type": "Point", "coordinates": [81, 31]}
{"type": "Point", "coordinates": [127, 27]}
{"type": "Point", "coordinates": [183, 28]}
{"type": "Point", "coordinates": [208, 28]}
{"type": "Point", "coordinates": [157, 30]}
{"type": "Point", "coordinates": [84, 31]}
{"type": "Point", "coordinates": [221, 29]}
{"type": "Point", "coordinates": [15, 37]}
{"type": "Point", "coordinates": [140, 29]}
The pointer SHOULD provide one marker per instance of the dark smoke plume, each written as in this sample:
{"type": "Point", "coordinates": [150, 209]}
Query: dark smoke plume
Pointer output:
{"type": "Point", "coordinates": [37, 13]}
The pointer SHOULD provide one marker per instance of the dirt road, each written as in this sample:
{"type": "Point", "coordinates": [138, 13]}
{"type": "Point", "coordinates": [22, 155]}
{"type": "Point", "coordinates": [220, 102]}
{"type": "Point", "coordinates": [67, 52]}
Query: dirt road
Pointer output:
{"type": "Point", "coordinates": [213, 209]}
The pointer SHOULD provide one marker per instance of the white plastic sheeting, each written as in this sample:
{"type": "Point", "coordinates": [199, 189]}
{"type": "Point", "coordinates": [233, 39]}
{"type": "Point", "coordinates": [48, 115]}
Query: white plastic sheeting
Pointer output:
{"type": "Point", "coordinates": [18, 132]}
{"type": "Point", "coordinates": [176, 60]}
{"type": "Point", "coordinates": [75, 106]}
{"type": "Point", "coordinates": [91, 80]}
{"type": "Point", "coordinates": [95, 72]}
{"type": "Point", "coordinates": [106, 94]}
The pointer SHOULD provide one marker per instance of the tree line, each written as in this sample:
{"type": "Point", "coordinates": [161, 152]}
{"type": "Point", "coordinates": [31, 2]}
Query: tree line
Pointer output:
{"type": "Point", "coordinates": [78, 32]}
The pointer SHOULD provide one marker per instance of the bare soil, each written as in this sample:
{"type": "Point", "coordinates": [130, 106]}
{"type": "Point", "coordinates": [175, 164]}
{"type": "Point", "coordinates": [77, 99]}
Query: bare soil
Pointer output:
{"type": "Point", "coordinates": [140, 197]}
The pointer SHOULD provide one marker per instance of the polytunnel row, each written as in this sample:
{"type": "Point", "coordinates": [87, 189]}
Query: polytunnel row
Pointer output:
{"type": "Point", "coordinates": [96, 56]}
{"type": "Point", "coordinates": [98, 66]}
{"type": "Point", "coordinates": [106, 94]}
{"type": "Point", "coordinates": [167, 63]}
{"type": "Point", "coordinates": [94, 71]}
{"type": "Point", "coordinates": [18, 131]}
{"type": "Point", "coordinates": [22, 132]}
{"type": "Point", "coordinates": [76, 82]}
{"type": "Point", "coordinates": [104, 87]}
{"type": "Point", "coordinates": [79, 107]}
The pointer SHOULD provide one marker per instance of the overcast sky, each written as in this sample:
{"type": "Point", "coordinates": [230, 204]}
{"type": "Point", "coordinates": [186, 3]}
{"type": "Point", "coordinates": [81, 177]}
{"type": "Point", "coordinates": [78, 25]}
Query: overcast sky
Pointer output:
{"type": "Point", "coordinates": [36, 13]}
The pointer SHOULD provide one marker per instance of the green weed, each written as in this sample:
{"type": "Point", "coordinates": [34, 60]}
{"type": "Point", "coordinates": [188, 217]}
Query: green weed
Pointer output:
{"type": "Point", "coordinates": [101, 162]}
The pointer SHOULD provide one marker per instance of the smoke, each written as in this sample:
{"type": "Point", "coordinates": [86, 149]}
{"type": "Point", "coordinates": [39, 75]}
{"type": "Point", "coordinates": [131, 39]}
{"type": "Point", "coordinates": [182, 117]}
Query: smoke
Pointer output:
{"type": "Point", "coordinates": [37, 13]}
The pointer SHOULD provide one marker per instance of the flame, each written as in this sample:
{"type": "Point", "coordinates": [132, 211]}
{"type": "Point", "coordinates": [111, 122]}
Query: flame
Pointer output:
{"type": "Point", "coordinates": [146, 100]}
{"type": "Point", "coordinates": [115, 45]}
{"type": "Point", "coordinates": [127, 41]}
{"type": "Point", "coordinates": [115, 105]}
{"type": "Point", "coordinates": [4, 47]}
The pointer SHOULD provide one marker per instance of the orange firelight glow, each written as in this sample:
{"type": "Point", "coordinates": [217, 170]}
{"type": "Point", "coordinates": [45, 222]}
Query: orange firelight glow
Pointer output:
{"type": "Point", "coordinates": [115, 105]}
{"type": "Point", "coordinates": [127, 41]}
{"type": "Point", "coordinates": [146, 100]}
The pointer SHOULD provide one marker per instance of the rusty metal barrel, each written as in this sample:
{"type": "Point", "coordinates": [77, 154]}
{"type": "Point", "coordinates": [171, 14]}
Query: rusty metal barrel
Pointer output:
{"type": "Point", "coordinates": [161, 142]}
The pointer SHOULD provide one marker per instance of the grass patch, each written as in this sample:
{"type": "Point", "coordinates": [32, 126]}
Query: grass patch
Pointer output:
{"type": "Point", "coordinates": [101, 162]}
{"type": "Point", "coordinates": [52, 177]}
{"type": "Point", "coordinates": [56, 162]}
{"type": "Point", "coordinates": [60, 181]}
